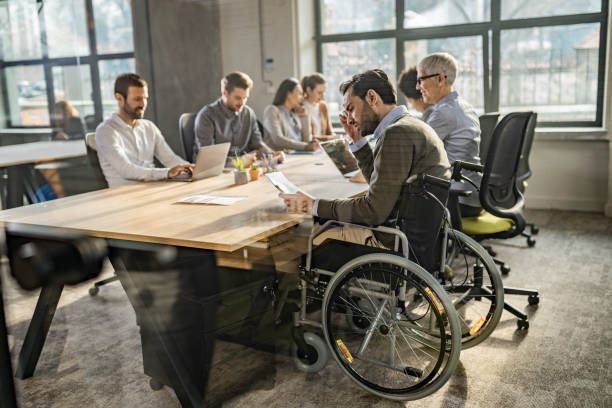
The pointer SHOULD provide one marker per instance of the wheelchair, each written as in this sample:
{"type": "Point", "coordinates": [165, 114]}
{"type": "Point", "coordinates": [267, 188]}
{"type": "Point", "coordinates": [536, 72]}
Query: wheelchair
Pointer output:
{"type": "Point", "coordinates": [395, 320]}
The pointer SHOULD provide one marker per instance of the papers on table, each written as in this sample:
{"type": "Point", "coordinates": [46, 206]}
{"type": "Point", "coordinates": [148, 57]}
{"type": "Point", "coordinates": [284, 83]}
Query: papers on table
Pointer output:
{"type": "Point", "coordinates": [208, 199]}
{"type": "Point", "coordinates": [279, 181]}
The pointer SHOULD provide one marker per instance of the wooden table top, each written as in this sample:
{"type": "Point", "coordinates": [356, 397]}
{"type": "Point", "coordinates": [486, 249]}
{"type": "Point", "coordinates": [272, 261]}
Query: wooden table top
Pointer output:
{"type": "Point", "coordinates": [38, 152]}
{"type": "Point", "coordinates": [148, 212]}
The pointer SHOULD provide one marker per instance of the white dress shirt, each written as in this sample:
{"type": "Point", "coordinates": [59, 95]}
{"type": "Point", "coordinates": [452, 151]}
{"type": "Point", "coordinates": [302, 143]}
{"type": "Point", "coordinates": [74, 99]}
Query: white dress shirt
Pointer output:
{"type": "Point", "coordinates": [126, 154]}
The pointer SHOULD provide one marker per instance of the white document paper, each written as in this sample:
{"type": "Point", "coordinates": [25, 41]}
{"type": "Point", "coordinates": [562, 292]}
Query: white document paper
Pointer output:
{"type": "Point", "coordinates": [281, 182]}
{"type": "Point", "coordinates": [208, 199]}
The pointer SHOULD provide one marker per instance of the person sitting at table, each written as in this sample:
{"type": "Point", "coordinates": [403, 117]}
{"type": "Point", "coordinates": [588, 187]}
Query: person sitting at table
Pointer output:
{"type": "Point", "coordinates": [66, 122]}
{"type": "Point", "coordinates": [229, 119]}
{"type": "Point", "coordinates": [66, 125]}
{"type": "Point", "coordinates": [407, 84]}
{"type": "Point", "coordinates": [127, 144]}
{"type": "Point", "coordinates": [453, 119]}
{"type": "Point", "coordinates": [314, 87]}
{"type": "Point", "coordinates": [403, 146]}
{"type": "Point", "coordinates": [286, 123]}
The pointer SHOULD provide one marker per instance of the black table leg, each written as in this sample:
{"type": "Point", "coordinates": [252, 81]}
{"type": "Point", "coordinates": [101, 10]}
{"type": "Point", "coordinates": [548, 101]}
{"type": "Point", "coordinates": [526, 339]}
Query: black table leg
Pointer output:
{"type": "Point", "coordinates": [18, 178]}
{"type": "Point", "coordinates": [38, 329]}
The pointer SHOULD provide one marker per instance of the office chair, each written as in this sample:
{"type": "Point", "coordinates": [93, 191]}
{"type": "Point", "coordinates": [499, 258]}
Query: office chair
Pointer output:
{"type": "Point", "coordinates": [499, 196]}
{"type": "Point", "coordinates": [92, 157]}
{"type": "Point", "coordinates": [187, 135]}
{"type": "Point", "coordinates": [90, 122]}
{"type": "Point", "coordinates": [524, 171]}
{"type": "Point", "coordinates": [488, 122]}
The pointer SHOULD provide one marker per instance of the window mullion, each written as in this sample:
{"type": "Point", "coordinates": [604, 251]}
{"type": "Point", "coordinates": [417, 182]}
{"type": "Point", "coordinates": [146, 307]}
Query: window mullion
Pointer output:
{"type": "Point", "coordinates": [93, 65]}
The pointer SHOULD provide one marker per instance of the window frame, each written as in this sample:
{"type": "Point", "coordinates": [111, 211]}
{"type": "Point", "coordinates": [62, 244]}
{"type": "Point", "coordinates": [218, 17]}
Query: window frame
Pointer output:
{"type": "Point", "coordinates": [48, 63]}
{"type": "Point", "coordinates": [490, 31]}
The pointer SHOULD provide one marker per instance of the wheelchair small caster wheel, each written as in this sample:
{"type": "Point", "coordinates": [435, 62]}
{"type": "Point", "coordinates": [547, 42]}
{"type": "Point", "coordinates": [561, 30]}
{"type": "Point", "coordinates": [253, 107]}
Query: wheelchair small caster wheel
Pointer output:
{"type": "Point", "coordinates": [93, 291]}
{"type": "Point", "coordinates": [522, 324]}
{"type": "Point", "coordinates": [505, 269]}
{"type": "Point", "coordinates": [535, 229]}
{"type": "Point", "coordinates": [533, 299]}
{"type": "Point", "coordinates": [314, 358]}
{"type": "Point", "coordinates": [531, 242]}
{"type": "Point", "coordinates": [155, 384]}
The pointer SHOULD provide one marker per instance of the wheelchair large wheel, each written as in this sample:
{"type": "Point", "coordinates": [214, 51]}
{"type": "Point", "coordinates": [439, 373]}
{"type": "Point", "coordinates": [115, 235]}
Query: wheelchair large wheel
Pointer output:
{"type": "Point", "coordinates": [408, 339]}
{"type": "Point", "coordinates": [475, 287]}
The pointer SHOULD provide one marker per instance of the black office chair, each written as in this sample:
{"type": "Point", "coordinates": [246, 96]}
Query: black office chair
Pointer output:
{"type": "Point", "coordinates": [524, 171]}
{"type": "Point", "coordinates": [502, 201]}
{"type": "Point", "coordinates": [94, 162]}
{"type": "Point", "coordinates": [488, 122]}
{"type": "Point", "coordinates": [260, 126]}
{"type": "Point", "coordinates": [90, 122]}
{"type": "Point", "coordinates": [187, 135]}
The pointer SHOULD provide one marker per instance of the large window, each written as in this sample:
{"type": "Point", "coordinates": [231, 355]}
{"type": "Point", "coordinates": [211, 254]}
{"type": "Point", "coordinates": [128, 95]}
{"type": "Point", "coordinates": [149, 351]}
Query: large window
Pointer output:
{"type": "Point", "coordinates": [546, 55]}
{"type": "Point", "coordinates": [61, 50]}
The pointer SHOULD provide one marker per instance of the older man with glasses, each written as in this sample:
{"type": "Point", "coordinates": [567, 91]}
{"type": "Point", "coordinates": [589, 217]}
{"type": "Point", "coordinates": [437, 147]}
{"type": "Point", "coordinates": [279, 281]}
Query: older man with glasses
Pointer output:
{"type": "Point", "coordinates": [453, 119]}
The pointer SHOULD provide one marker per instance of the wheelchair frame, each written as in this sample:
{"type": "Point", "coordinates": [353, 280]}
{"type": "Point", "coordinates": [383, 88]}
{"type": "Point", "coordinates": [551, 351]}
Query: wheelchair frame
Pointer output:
{"type": "Point", "coordinates": [310, 277]}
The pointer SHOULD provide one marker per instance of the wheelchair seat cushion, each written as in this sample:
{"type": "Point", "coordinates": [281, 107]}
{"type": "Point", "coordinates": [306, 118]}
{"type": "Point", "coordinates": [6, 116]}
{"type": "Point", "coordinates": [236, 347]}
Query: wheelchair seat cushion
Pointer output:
{"type": "Point", "coordinates": [332, 254]}
{"type": "Point", "coordinates": [485, 224]}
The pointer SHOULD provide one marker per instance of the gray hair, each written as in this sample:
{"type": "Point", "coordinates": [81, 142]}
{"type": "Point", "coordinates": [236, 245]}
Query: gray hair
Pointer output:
{"type": "Point", "coordinates": [440, 62]}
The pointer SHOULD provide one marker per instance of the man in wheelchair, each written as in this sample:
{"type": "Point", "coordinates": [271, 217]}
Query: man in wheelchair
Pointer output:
{"type": "Point", "coordinates": [403, 146]}
{"type": "Point", "coordinates": [396, 308]}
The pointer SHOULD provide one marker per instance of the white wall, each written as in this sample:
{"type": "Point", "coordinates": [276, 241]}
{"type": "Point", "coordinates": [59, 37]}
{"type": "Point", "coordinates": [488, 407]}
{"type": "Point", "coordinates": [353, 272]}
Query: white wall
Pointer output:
{"type": "Point", "coordinates": [567, 174]}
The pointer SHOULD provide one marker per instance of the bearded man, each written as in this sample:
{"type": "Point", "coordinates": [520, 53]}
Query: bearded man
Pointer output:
{"type": "Point", "coordinates": [127, 144]}
{"type": "Point", "coordinates": [402, 146]}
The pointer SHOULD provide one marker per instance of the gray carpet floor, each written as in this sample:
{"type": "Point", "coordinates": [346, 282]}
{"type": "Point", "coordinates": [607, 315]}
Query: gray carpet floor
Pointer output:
{"type": "Point", "coordinates": [92, 356]}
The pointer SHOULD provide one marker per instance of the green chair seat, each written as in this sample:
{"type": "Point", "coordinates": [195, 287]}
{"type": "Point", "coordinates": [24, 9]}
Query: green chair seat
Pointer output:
{"type": "Point", "coordinates": [485, 224]}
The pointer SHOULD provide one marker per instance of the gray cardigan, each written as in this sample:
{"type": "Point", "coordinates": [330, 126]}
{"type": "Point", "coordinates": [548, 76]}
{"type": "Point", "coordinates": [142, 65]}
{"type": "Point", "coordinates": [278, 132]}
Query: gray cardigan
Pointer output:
{"type": "Point", "coordinates": [276, 129]}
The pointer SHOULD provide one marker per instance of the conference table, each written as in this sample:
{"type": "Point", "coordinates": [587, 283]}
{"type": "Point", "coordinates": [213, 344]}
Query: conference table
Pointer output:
{"type": "Point", "coordinates": [148, 212]}
{"type": "Point", "coordinates": [19, 160]}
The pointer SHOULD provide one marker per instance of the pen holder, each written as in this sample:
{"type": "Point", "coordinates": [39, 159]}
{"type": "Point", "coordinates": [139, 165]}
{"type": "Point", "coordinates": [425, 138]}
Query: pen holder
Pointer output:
{"type": "Point", "coordinates": [241, 177]}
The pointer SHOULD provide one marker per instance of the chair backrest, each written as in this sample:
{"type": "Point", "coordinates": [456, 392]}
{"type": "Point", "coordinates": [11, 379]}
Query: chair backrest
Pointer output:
{"type": "Point", "coordinates": [498, 192]}
{"type": "Point", "coordinates": [524, 171]}
{"type": "Point", "coordinates": [260, 126]}
{"type": "Point", "coordinates": [488, 122]}
{"type": "Point", "coordinates": [187, 135]}
{"type": "Point", "coordinates": [94, 162]}
{"type": "Point", "coordinates": [90, 122]}
{"type": "Point", "coordinates": [419, 216]}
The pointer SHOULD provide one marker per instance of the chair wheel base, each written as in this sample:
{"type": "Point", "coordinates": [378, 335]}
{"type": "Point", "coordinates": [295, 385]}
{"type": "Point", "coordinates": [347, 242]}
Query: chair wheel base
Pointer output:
{"type": "Point", "coordinates": [533, 299]}
{"type": "Point", "coordinates": [535, 230]}
{"type": "Point", "coordinates": [522, 324]}
{"type": "Point", "coordinates": [505, 269]}
{"type": "Point", "coordinates": [531, 242]}
{"type": "Point", "coordinates": [155, 384]}
{"type": "Point", "coordinates": [94, 290]}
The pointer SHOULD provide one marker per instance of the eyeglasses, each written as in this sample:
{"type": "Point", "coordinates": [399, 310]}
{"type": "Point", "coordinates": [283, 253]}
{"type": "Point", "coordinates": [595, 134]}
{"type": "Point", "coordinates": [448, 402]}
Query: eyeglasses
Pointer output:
{"type": "Point", "coordinates": [420, 80]}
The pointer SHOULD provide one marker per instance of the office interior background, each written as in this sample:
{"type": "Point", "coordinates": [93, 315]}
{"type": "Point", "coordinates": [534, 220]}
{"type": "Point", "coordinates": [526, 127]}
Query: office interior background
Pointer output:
{"type": "Point", "coordinates": [549, 56]}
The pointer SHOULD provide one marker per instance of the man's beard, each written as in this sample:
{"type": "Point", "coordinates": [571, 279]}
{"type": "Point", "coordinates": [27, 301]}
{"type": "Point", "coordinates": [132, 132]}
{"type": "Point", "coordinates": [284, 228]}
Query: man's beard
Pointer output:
{"type": "Point", "coordinates": [369, 121]}
{"type": "Point", "coordinates": [133, 113]}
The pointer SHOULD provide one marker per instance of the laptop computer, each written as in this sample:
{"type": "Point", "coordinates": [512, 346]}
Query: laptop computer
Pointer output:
{"type": "Point", "coordinates": [209, 163]}
{"type": "Point", "coordinates": [338, 151]}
